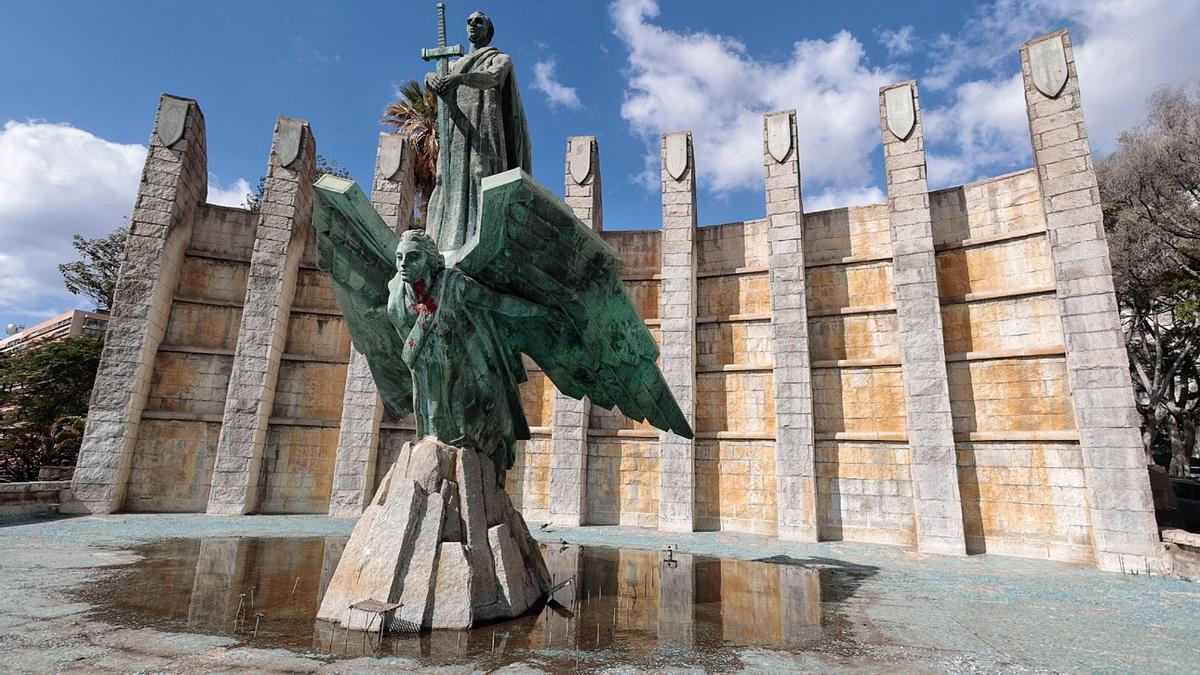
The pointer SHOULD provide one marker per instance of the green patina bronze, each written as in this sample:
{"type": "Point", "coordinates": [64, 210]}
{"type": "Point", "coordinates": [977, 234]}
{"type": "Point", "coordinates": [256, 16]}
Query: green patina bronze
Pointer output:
{"type": "Point", "coordinates": [443, 320]}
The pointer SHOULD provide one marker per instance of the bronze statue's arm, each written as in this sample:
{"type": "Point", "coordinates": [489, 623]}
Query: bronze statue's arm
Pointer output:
{"type": "Point", "coordinates": [488, 78]}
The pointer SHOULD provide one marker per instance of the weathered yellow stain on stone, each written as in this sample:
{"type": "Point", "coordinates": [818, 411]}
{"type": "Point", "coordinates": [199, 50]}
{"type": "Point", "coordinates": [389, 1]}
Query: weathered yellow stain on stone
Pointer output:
{"type": "Point", "coordinates": [857, 231]}
{"type": "Point", "coordinates": [644, 294]}
{"type": "Point", "coordinates": [1029, 394]}
{"type": "Point", "coordinates": [528, 481]}
{"type": "Point", "coordinates": [314, 291]}
{"type": "Point", "coordinates": [210, 279]}
{"type": "Point", "coordinates": [622, 481]}
{"type": "Point", "coordinates": [733, 401]}
{"type": "Point", "coordinates": [172, 466]}
{"type": "Point", "coordinates": [730, 246]}
{"type": "Point", "coordinates": [310, 390]}
{"type": "Point", "coordinates": [735, 486]}
{"type": "Point", "coordinates": [744, 343]}
{"type": "Point", "coordinates": [204, 326]}
{"type": "Point", "coordinates": [858, 285]}
{"type": "Point", "coordinates": [856, 336]}
{"type": "Point", "coordinates": [191, 383]}
{"type": "Point", "coordinates": [1003, 266]}
{"type": "Point", "coordinates": [1025, 499]}
{"type": "Point", "coordinates": [740, 294]}
{"type": "Point", "coordinates": [987, 208]}
{"type": "Point", "coordinates": [860, 400]}
{"type": "Point", "coordinates": [298, 469]}
{"type": "Point", "coordinates": [317, 335]}
{"type": "Point", "coordinates": [864, 492]}
{"type": "Point", "coordinates": [1010, 323]}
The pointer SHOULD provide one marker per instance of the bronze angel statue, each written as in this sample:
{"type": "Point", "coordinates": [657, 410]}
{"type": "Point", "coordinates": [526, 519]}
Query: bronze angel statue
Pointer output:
{"type": "Point", "coordinates": [506, 269]}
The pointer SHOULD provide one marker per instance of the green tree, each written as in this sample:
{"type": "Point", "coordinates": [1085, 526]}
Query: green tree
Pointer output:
{"type": "Point", "coordinates": [414, 114]}
{"type": "Point", "coordinates": [96, 275]}
{"type": "Point", "coordinates": [324, 166]}
{"type": "Point", "coordinates": [1150, 186]}
{"type": "Point", "coordinates": [40, 387]}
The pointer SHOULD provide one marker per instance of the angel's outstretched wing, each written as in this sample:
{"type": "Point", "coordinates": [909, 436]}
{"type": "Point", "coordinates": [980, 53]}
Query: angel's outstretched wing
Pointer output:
{"type": "Point", "coordinates": [357, 250]}
{"type": "Point", "coordinates": [591, 342]}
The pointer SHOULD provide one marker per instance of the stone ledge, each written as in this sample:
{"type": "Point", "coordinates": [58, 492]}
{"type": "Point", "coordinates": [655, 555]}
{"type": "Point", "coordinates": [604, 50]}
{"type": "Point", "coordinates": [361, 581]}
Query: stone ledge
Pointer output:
{"type": "Point", "coordinates": [884, 308]}
{"type": "Point", "coordinates": [857, 363]}
{"type": "Point", "coordinates": [847, 260]}
{"type": "Point", "coordinates": [971, 242]}
{"type": "Point", "coordinates": [997, 354]}
{"type": "Point", "coordinates": [964, 298]}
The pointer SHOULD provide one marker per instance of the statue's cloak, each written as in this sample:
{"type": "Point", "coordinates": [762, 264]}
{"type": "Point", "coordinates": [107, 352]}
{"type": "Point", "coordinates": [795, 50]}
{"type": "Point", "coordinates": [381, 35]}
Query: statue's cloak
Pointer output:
{"type": "Point", "coordinates": [487, 134]}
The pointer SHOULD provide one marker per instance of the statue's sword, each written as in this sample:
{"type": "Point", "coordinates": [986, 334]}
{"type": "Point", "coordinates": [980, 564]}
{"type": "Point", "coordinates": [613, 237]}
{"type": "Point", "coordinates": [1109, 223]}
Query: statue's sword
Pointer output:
{"type": "Point", "coordinates": [442, 54]}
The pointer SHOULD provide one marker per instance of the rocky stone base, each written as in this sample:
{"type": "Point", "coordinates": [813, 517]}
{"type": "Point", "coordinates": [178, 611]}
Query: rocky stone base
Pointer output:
{"type": "Point", "coordinates": [442, 538]}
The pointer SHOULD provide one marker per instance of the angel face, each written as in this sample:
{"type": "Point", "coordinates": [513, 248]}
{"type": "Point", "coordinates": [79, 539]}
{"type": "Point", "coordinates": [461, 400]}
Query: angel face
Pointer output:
{"type": "Point", "coordinates": [413, 262]}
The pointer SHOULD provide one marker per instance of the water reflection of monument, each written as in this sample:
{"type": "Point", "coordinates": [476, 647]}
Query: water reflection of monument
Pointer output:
{"type": "Point", "coordinates": [626, 600]}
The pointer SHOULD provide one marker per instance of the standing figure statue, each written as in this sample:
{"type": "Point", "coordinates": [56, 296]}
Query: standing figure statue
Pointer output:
{"type": "Point", "coordinates": [446, 319]}
{"type": "Point", "coordinates": [485, 133]}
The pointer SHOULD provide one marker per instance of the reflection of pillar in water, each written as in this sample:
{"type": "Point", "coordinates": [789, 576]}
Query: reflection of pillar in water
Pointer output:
{"type": "Point", "coordinates": [334, 545]}
{"type": "Point", "coordinates": [563, 563]}
{"type": "Point", "coordinates": [800, 595]}
{"type": "Point", "coordinates": [676, 597]}
{"type": "Point", "coordinates": [220, 578]}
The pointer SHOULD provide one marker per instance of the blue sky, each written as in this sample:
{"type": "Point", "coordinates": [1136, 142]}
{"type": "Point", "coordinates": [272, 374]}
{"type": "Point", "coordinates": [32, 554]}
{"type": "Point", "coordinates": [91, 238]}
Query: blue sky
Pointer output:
{"type": "Point", "coordinates": [77, 99]}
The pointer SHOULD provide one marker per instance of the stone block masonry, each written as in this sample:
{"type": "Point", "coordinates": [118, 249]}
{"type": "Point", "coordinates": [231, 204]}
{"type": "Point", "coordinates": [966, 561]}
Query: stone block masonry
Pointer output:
{"type": "Point", "coordinates": [392, 194]}
{"type": "Point", "coordinates": [1118, 488]}
{"type": "Point", "coordinates": [795, 477]}
{"type": "Point", "coordinates": [568, 460]}
{"type": "Point", "coordinates": [943, 371]}
{"type": "Point", "coordinates": [174, 183]}
{"type": "Point", "coordinates": [677, 312]}
{"type": "Point", "coordinates": [933, 465]}
{"type": "Point", "coordinates": [284, 223]}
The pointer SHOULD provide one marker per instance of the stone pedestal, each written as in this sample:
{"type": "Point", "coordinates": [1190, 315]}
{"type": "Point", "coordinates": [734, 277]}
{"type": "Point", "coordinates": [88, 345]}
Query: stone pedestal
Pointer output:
{"type": "Point", "coordinates": [441, 537]}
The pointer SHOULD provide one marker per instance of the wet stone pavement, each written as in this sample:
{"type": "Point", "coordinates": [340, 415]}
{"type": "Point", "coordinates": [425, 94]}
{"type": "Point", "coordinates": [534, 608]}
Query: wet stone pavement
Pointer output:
{"type": "Point", "coordinates": [195, 593]}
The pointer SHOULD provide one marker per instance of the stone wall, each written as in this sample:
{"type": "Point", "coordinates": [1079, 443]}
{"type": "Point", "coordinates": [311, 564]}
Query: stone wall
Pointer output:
{"type": "Point", "coordinates": [804, 347]}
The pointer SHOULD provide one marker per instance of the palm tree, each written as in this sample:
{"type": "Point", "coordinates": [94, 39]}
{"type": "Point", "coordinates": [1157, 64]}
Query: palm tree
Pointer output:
{"type": "Point", "coordinates": [414, 114]}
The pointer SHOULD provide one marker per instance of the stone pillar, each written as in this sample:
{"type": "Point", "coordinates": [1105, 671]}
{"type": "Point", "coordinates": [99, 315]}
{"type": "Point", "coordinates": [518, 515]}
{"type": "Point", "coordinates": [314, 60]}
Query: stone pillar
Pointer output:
{"type": "Point", "coordinates": [795, 471]}
{"type": "Point", "coordinates": [174, 182]}
{"type": "Point", "coordinates": [934, 466]}
{"type": "Point", "coordinates": [568, 461]}
{"type": "Point", "coordinates": [392, 194]}
{"type": "Point", "coordinates": [677, 312]}
{"type": "Point", "coordinates": [283, 225]}
{"type": "Point", "coordinates": [1122, 511]}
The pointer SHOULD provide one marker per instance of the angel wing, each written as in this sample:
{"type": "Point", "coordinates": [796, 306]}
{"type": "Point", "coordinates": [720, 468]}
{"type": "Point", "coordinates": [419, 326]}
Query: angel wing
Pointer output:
{"type": "Point", "coordinates": [357, 250]}
{"type": "Point", "coordinates": [593, 342]}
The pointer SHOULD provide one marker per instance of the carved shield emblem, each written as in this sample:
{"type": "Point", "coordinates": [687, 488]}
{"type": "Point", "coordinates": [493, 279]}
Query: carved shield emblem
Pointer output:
{"type": "Point", "coordinates": [779, 135]}
{"type": "Point", "coordinates": [391, 155]}
{"type": "Point", "coordinates": [901, 111]}
{"type": "Point", "coordinates": [291, 132]}
{"type": "Point", "coordinates": [172, 118]}
{"type": "Point", "coordinates": [677, 154]}
{"type": "Point", "coordinates": [579, 163]}
{"type": "Point", "coordinates": [1048, 66]}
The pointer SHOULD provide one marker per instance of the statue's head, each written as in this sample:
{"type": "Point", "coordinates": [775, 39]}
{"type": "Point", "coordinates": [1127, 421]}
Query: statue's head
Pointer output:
{"type": "Point", "coordinates": [418, 257]}
{"type": "Point", "coordinates": [480, 29]}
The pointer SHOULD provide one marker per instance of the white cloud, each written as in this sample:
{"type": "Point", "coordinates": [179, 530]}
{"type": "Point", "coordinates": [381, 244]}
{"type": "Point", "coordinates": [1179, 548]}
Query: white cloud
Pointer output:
{"type": "Point", "coordinates": [1125, 49]}
{"type": "Point", "coordinates": [708, 84]}
{"type": "Point", "coordinates": [557, 93]}
{"type": "Point", "coordinates": [899, 42]}
{"type": "Point", "coordinates": [233, 194]}
{"type": "Point", "coordinates": [57, 181]}
{"type": "Point", "coordinates": [836, 198]}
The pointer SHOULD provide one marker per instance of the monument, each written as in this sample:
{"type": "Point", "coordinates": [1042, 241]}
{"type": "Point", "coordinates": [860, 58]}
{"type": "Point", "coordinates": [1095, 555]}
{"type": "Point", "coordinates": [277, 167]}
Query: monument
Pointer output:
{"type": "Point", "coordinates": [443, 319]}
